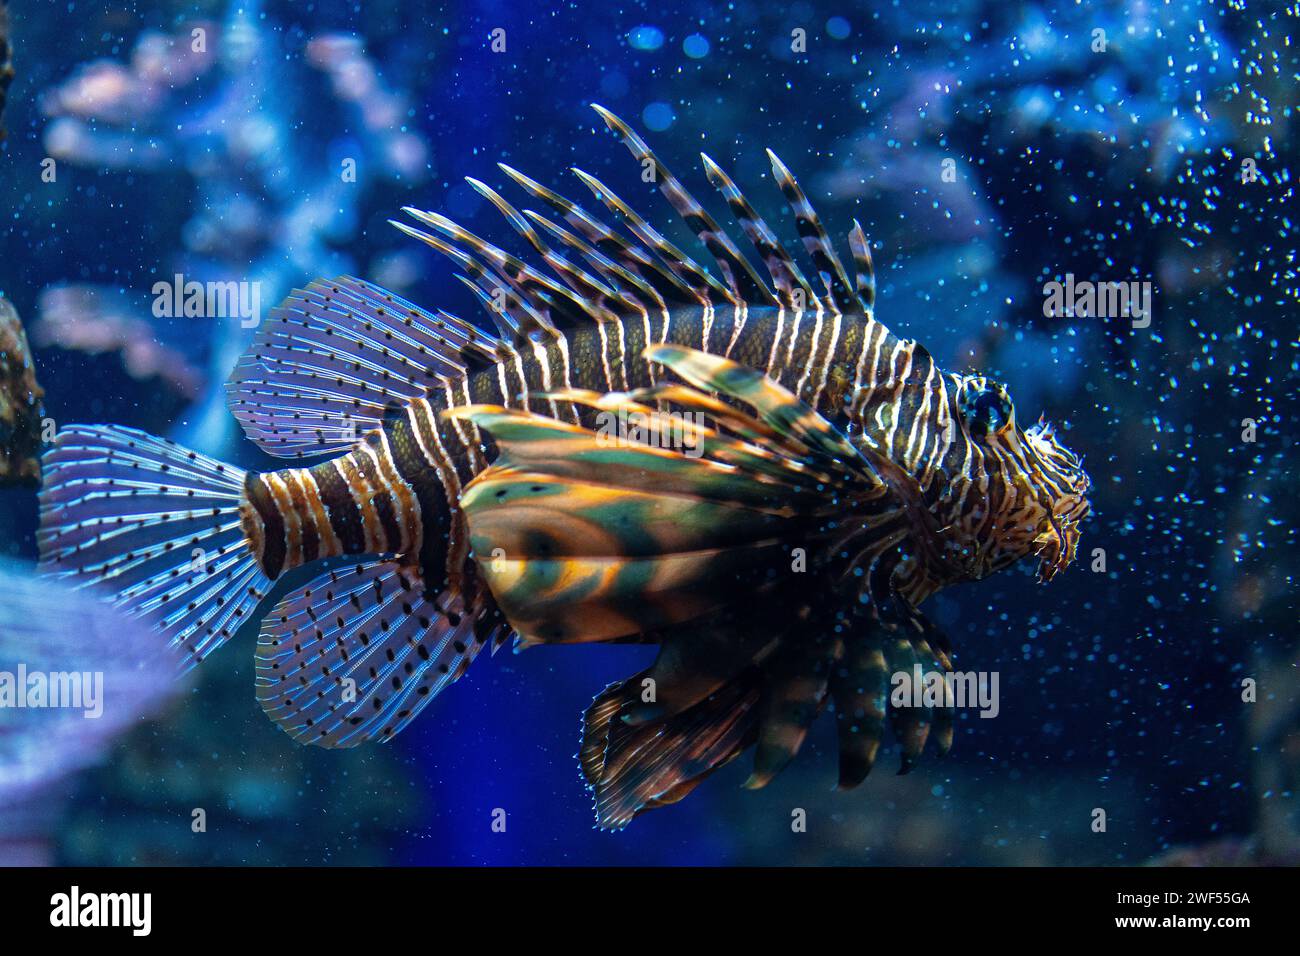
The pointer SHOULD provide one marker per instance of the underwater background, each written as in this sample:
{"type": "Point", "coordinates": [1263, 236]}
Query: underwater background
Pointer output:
{"type": "Point", "coordinates": [1159, 150]}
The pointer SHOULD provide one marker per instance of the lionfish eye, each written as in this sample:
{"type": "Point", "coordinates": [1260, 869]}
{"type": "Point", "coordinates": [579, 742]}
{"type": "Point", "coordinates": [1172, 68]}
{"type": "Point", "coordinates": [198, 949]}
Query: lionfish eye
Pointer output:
{"type": "Point", "coordinates": [986, 408]}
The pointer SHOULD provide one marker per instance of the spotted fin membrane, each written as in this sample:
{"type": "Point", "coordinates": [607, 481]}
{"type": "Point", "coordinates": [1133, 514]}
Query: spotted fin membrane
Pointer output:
{"type": "Point", "coordinates": [357, 653]}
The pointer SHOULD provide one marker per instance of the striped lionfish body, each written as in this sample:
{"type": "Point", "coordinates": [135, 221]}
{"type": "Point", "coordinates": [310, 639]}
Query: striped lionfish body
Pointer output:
{"type": "Point", "coordinates": [802, 480]}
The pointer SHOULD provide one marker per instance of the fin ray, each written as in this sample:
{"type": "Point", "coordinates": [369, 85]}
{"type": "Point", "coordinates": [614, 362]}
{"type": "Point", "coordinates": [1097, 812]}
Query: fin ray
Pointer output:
{"type": "Point", "coordinates": [785, 272]}
{"type": "Point", "coordinates": [176, 555]}
{"type": "Point", "coordinates": [815, 240]}
{"type": "Point", "coordinates": [333, 356]}
{"type": "Point", "coordinates": [373, 624]}
{"type": "Point", "coordinates": [744, 282]}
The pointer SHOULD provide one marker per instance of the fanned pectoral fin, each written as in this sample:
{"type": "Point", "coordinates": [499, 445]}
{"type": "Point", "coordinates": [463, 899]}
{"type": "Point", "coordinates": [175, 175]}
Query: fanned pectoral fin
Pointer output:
{"type": "Point", "coordinates": [794, 695]}
{"type": "Point", "coordinates": [911, 723]}
{"type": "Point", "coordinates": [584, 560]}
{"type": "Point", "coordinates": [874, 682]}
{"type": "Point", "coordinates": [635, 767]}
{"type": "Point", "coordinates": [650, 739]}
{"type": "Point", "coordinates": [736, 551]}
{"type": "Point", "coordinates": [860, 692]}
{"type": "Point", "coordinates": [943, 715]}
{"type": "Point", "coordinates": [573, 560]}
{"type": "Point", "coordinates": [586, 535]}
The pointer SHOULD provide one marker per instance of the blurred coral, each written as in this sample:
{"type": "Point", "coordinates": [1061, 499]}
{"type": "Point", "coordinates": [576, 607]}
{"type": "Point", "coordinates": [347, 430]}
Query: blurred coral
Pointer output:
{"type": "Point", "coordinates": [278, 177]}
{"type": "Point", "coordinates": [98, 320]}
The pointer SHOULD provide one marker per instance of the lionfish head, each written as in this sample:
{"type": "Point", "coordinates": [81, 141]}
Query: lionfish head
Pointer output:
{"type": "Point", "coordinates": [1036, 492]}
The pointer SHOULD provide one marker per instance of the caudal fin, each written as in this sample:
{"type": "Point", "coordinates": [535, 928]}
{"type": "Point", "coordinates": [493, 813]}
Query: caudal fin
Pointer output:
{"type": "Point", "coordinates": [154, 525]}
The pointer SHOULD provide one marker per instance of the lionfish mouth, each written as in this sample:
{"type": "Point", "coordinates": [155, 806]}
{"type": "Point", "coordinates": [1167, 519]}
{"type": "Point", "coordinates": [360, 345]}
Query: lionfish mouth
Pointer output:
{"type": "Point", "coordinates": [1056, 547]}
{"type": "Point", "coordinates": [1057, 541]}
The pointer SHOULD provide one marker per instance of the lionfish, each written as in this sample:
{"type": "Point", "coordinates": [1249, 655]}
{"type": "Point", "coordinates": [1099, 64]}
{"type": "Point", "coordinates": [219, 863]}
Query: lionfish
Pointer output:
{"type": "Point", "coordinates": [21, 404]}
{"type": "Point", "coordinates": [829, 477]}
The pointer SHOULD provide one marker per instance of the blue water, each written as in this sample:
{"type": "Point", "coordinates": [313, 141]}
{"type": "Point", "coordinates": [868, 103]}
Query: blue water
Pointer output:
{"type": "Point", "coordinates": [1117, 157]}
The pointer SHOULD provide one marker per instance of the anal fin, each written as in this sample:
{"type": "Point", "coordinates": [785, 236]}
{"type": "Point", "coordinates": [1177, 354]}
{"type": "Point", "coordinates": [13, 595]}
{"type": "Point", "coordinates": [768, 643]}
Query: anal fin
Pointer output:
{"type": "Point", "coordinates": [358, 652]}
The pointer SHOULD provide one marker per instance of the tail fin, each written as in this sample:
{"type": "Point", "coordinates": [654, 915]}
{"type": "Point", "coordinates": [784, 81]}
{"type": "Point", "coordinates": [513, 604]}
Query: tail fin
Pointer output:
{"type": "Point", "coordinates": [155, 525]}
